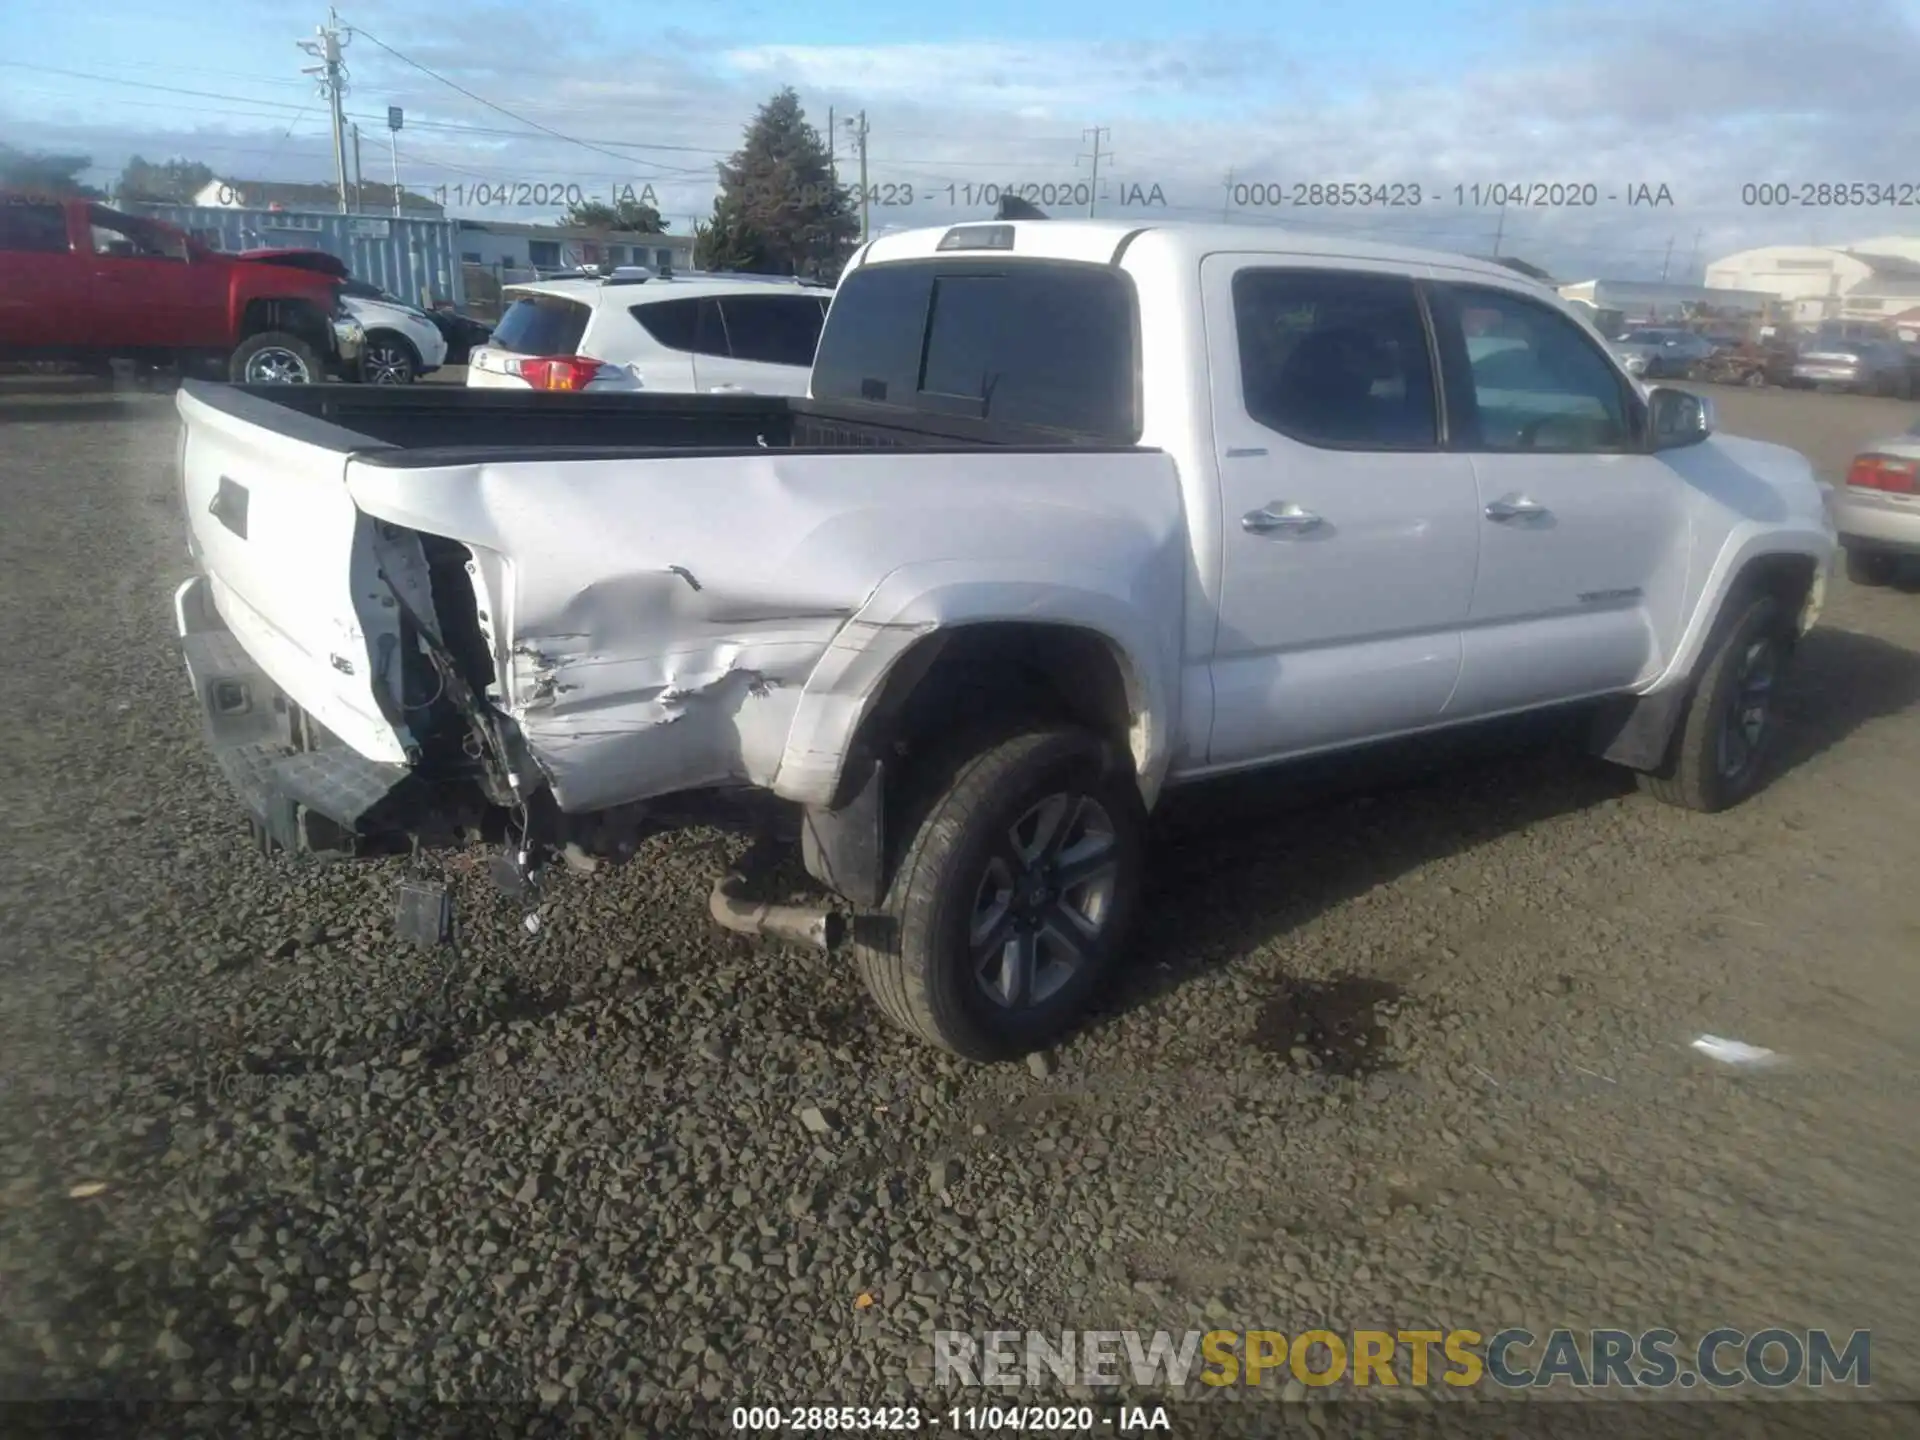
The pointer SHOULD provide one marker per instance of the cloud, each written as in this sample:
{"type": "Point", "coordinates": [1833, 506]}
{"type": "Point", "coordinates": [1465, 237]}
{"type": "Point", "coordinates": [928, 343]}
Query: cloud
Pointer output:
{"type": "Point", "coordinates": [1701, 100]}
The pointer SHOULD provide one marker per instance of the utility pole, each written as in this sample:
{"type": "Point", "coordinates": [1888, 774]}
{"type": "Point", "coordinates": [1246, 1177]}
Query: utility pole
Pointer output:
{"type": "Point", "coordinates": [1667, 261]}
{"type": "Point", "coordinates": [359, 175]}
{"type": "Point", "coordinates": [332, 74]}
{"type": "Point", "coordinates": [858, 126]}
{"type": "Point", "coordinates": [1226, 205]}
{"type": "Point", "coordinates": [1499, 232]}
{"type": "Point", "coordinates": [1694, 259]}
{"type": "Point", "coordinates": [1096, 135]}
{"type": "Point", "coordinates": [833, 150]}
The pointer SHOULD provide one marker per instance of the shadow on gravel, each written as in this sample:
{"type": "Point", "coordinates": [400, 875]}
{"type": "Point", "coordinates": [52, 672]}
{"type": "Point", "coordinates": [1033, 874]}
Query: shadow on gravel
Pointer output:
{"type": "Point", "coordinates": [89, 409]}
{"type": "Point", "coordinates": [1841, 680]}
{"type": "Point", "coordinates": [1235, 863]}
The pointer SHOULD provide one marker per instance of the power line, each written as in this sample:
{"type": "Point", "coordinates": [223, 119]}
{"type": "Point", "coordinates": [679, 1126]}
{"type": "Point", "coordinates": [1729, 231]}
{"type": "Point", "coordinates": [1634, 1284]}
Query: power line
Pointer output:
{"type": "Point", "coordinates": [482, 100]}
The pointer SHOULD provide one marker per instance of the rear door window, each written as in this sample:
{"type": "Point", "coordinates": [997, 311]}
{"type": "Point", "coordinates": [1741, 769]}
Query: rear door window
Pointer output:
{"type": "Point", "coordinates": [773, 329]}
{"type": "Point", "coordinates": [1040, 343]}
{"type": "Point", "coordinates": [670, 322]}
{"type": "Point", "coordinates": [542, 325]}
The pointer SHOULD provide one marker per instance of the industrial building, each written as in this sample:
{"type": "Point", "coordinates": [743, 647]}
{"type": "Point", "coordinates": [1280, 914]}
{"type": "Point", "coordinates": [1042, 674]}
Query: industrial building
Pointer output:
{"type": "Point", "coordinates": [1876, 279]}
{"type": "Point", "coordinates": [1645, 302]}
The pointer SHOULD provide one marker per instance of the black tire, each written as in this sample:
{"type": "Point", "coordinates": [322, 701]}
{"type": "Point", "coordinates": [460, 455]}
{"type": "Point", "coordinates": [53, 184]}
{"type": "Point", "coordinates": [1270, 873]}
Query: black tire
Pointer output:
{"type": "Point", "coordinates": [1755, 379]}
{"type": "Point", "coordinates": [917, 956]}
{"type": "Point", "coordinates": [388, 359]}
{"type": "Point", "coordinates": [1871, 567]}
{"type": "Point", "coordinates": [1696, 775]}
{"type": "Point", "coordinates": [298, 363]}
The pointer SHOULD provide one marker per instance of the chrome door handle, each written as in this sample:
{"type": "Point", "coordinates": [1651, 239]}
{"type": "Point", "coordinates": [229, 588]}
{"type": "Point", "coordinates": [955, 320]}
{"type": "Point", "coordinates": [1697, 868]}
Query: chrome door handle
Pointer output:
{"type": "Point", "coordinates": [1516, 508]}
{"type": "Point", "coordinates": [1284, 519]}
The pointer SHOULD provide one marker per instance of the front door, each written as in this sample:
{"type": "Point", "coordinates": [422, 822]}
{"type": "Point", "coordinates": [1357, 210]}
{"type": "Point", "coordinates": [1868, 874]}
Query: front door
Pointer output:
{"type": "Point", "coordinates": [1348, 534]}
{"type": "Point", "coordinates": [1584, 535]}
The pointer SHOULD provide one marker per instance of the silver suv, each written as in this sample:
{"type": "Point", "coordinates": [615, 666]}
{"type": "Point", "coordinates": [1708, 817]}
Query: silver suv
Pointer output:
{"type": "Point", "coordinates": [1846, 357]}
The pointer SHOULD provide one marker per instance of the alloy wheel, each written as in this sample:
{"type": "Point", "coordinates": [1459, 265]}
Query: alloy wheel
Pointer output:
{"type": "Point", "coordinates": [276, 365]}
{"type": "Point", "coordinates": [1046, 898]}
{"type": "Point", "coordinates": [386, 365]}
{"type": "Point", "coordinates": [1749, 709]}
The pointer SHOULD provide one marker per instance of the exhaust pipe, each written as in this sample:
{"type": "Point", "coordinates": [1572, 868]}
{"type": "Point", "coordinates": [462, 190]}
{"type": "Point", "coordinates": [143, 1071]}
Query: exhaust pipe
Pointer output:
{"type": "Point", "coordinates": [817, 926]}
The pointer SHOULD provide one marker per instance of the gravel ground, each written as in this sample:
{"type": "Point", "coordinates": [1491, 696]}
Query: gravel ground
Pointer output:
{"type": "Point", "coordinates": [1400, 1048]}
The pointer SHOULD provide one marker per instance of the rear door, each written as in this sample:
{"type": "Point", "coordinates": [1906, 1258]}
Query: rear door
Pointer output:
{"type": "Point", "coordinates": [534, 326]}
{"type": "Point", "coordinates": [43, 282]}
{"type": "Point", "coordinates": [771, 341]}
{"type": "Point", "coordinates": [662, 353]}
{"type": "Point", "coordinates": [139, 283]}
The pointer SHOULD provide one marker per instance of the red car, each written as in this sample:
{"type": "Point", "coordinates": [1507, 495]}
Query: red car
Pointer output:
{"type": "Point", "coordinates": [82, 282]}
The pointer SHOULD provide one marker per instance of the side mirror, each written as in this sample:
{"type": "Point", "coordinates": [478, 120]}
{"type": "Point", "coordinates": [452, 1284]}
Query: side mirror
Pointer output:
{"type": "Point", "coordinates": [1678, 417]}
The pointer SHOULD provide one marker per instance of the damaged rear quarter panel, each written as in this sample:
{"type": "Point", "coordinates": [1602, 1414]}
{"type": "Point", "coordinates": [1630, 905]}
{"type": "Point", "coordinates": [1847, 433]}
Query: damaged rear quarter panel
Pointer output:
{"type": "Point", "coordinates": [660, 622]}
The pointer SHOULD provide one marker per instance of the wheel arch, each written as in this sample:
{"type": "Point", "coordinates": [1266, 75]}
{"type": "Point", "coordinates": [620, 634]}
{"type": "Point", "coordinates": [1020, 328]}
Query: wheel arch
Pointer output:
{"type": "Point", "coordinates": [1098, 659]}
{"type": "Point", "coordinates": [1637, 730]}
{"type": "Point", "coordinates": [294, 315]}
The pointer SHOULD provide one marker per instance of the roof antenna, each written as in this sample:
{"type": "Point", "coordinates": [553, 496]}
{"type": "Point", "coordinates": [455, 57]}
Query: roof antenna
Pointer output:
{"type": "Point", "coordinates": [1012, 207]}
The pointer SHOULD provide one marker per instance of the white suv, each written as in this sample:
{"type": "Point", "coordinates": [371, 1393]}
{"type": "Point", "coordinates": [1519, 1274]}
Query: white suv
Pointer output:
{"type": "Point", "coordinates": [726, 334]}
{"type": "Point", "coordinates": [402, 341]}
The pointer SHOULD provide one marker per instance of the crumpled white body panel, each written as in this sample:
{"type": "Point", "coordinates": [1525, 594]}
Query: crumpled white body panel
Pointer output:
{"type": "Point", "coordinates": [660, 624]}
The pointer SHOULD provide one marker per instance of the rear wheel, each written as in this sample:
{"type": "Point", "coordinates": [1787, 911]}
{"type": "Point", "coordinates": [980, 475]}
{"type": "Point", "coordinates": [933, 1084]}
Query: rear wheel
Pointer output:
{"type": "Point", "coordinates": [1015, 896]}
{"type": "Point", "coordinates": [274, 357]}
{"type": "Point", "coordinates": [1871, 567]}
{"type": "Point", "coordinates": [1719, 756]}
{"type": "Point", "coordinates": [1755, 380]}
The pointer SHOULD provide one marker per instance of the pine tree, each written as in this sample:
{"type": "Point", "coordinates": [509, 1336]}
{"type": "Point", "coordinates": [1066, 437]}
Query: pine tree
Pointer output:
{"type": "Point", "coordinates": [778, 211]}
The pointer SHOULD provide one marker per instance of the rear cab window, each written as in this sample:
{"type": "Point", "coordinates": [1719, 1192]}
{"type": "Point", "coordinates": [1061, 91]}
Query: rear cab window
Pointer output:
{"type": "Point", "coordinates": [542, 325]}
{"type": "Point", "coordinates": [31, 227]}
{"type": "Point", "coordinates": [1044, 344]}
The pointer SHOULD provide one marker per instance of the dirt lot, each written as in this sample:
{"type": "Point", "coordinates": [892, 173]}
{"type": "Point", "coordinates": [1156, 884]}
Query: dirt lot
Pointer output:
{"type": "Point", "coordinates": [1400, 1049]}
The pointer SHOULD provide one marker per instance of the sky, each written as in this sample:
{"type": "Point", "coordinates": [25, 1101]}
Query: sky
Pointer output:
{"type": "Point", "coordinates": [1207, 109]}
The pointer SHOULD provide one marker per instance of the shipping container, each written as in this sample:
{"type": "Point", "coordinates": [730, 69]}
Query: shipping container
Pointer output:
{"type": "Point", "coordinates": [412, 257]}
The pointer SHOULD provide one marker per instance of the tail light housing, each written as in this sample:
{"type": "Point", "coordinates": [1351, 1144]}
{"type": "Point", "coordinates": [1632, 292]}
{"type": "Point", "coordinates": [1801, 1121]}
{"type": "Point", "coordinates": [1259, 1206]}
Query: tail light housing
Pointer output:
{"type": "Point", "coordinates": [558, 372]}
{"type": "Point", "coordinates": [1889, 473]}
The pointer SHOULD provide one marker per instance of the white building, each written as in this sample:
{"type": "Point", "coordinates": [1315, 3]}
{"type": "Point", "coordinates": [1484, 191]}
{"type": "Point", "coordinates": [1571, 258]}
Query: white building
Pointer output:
{"type": "Point", "coordinates": [1644, 301]}
{"type": "Point", "coordinates": [519, 252]}
{"type": "Point", "coordinates": [1872, 280]}
{"type": "Point", "coordinates": [368, 197]}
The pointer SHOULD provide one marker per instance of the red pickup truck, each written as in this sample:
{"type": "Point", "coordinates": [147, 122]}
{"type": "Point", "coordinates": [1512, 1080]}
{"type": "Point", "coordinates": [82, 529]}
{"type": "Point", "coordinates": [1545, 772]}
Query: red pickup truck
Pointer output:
{"type": "Point", "coordinates": [82, 282]}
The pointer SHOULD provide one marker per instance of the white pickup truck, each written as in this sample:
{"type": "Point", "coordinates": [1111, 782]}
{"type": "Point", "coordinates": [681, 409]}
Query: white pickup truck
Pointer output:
{"type": "Point", "coordinates": [1075, 511]}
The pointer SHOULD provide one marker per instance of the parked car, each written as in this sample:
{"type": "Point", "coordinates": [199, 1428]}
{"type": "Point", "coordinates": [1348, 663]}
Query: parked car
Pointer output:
{"type": "Point", "coordinates": [402, 341]}
{"type": "Point", "coordinates": [1660, 354]}
{"type": "Point", "coordinates": [1839, 356]}
{"type": "Point", "coordinates": [733, 334]}
{"type": "Point", "coordinates": [461, 331]}
{"type": "Point", "coordinates": [84, 283]}
{"type": "Point", "coordinates": [1075, 512]}
{"type": "Point", "coordinates": [1877, 510]}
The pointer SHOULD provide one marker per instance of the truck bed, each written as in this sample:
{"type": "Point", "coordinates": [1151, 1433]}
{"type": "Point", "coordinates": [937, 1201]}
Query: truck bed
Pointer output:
{"type": "Point", "coordinates": [433, 425]}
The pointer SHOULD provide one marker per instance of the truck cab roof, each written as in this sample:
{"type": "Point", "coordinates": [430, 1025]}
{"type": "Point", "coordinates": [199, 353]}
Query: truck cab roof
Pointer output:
{"type": "Point", "coordinates": [1107, 242]}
